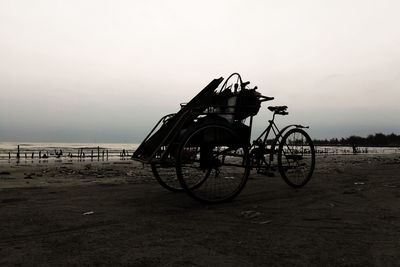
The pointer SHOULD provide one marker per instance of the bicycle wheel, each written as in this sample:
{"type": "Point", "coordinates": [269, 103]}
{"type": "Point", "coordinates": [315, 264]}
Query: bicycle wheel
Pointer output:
{"type": "Point", "coordinates": [213, 164]}
{"type": "Point", "coordinates": [296, 157]}
{"type": "Point", "coordinates": [165, 174]}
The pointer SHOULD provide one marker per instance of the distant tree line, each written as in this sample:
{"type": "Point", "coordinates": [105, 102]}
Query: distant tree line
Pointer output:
{"type": "Point", "coordinates": [378, 139]}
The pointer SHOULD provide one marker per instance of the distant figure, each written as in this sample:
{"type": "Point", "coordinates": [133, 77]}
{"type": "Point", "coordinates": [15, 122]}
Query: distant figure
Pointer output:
{"type": "Point", "coordinates": [58, 154]}
{"type": "Point", "coordinates": [354, 148]}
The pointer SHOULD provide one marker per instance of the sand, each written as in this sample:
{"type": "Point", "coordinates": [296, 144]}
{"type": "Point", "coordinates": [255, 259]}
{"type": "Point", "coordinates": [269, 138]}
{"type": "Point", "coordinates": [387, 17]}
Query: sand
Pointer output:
{"type": "Point", "coordinates": [115, 213]}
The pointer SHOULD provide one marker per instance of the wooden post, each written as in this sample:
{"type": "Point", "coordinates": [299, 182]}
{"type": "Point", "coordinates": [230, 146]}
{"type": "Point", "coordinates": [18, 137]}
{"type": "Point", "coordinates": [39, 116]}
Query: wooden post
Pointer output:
{"type": "Point", "coordinates": [107, 154]}
{"type": "Point", "coordinates": [9, 155]}
{"type": "Point", "coordinates": [18, 152]}
{"type": "Point", "coordinates": [33, 154]}
{"type": "Point", "coordinates": [25, 155]}
{"type": "Point", "coordinates": [91, 156]}
{"type": "Point", "coordinates": [40, 154]}
{"type": "Point", "coordinates": [102, 155]}
{"type": "Point", "coordinates": [98, 153]}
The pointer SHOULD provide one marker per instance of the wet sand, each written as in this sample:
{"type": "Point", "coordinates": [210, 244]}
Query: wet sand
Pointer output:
{"type": "Point", "coordinates": [115, 213]}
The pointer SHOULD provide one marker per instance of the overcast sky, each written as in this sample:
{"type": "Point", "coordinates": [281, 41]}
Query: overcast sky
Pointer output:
{"type": "Point", "coordinates": [106, 71]}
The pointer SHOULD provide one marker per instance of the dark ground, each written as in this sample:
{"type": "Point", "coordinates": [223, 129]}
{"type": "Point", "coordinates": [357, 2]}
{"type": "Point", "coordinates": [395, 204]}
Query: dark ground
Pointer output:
{"type": "Point", "coordinates": [348, 215]}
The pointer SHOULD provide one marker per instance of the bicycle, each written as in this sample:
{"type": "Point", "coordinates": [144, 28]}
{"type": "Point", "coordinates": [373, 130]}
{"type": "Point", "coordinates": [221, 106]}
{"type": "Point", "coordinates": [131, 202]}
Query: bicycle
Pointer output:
{"type": "Point", "coordinates": [205, 150]}
{"type": "Point", "coordinates": [293, 146]}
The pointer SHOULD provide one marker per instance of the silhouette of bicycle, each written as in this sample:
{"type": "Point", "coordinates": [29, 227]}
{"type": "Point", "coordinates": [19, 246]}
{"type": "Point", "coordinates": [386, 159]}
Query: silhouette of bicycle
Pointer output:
{"type": "Point", "coordinates": [205, 148]}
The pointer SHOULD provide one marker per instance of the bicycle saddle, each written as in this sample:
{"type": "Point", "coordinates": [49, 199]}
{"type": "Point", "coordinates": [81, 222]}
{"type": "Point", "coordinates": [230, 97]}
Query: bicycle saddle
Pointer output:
{"type": "Point", "coordinates": [277, 108]}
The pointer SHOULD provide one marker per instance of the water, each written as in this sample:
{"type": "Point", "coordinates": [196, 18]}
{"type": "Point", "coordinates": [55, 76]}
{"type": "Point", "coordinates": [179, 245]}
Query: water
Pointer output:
{"type": "Point", "coordinates": [361, 150]}
{"type": "Point", "coordinates": [50, 149]}
{"type": "Point", "coordinates": [115, 150]}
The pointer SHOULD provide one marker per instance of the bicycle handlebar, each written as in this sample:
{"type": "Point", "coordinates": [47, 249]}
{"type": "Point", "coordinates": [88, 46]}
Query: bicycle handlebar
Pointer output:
{"type": "Point", "coordinates": [245, 84]}
{"type": "Point", "coordinates": [265, 98]}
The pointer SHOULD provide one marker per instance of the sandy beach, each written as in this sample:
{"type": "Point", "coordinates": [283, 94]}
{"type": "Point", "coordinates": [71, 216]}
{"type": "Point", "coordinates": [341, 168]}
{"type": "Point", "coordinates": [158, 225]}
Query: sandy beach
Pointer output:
{"type": "Point", "coordinates": [115, 213]}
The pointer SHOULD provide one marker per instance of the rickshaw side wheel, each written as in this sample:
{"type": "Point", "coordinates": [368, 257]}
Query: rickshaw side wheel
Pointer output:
{"type": "Point", "coordinates": [296, 158]}
{"type": "Point", "coordinates": [213, 163]}
{"type": "Point", "coordinates": [166, 177]}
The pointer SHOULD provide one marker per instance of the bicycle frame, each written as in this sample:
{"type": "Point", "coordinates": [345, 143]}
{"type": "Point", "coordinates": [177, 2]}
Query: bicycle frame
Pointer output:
{"type": "Point", "coordinates": [210, 138]}
{"type": "Point", "coordinates": [264, 137]}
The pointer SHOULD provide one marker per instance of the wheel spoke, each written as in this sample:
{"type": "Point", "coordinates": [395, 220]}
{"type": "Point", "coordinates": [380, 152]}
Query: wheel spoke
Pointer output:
{"type": "Point", "coordinates": [165, 174]}
{"type": "Point", "coordinates": [219, 169]}
{"type": "Point", "coordinates": [296, 165]}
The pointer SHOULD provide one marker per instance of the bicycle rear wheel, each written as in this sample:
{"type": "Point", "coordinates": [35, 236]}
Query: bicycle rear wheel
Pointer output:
{"type": "Point", "coordinates": [165, 174]}
{"type": "Point", "coordinates": [296, 157]}
{"type": "Point", "coordinates": [213, 164]}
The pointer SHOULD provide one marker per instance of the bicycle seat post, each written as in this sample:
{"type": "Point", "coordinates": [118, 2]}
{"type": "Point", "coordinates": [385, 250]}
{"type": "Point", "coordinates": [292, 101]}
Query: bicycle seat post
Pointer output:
{"type": "Point", "coordinates": [273, 118]}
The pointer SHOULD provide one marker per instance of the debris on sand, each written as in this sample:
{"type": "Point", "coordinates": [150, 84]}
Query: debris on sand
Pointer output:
{"type": "Point", "coordinates": [250, 214]}
{"type": "Point", "coordinates": [28, 175]}
{"type": "Point", "coordinates": [88, 166]}
{"type": "Point", "coordinates": [350, 191]}
{"type": "Point", "coordinates": [265, 222]}
{"type": "Point", "coordinates": [391, 186]}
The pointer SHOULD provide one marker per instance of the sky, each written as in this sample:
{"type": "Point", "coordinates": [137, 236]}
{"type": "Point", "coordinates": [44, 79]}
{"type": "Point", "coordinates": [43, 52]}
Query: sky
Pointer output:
{"type": "Point", "coordinates": [106, 71]}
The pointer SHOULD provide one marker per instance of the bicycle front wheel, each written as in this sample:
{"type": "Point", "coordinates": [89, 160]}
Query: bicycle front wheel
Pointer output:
{"type": "Point", "coordinates": [296, 157]}
{"type": "Point", "coordinates": [213, 164]}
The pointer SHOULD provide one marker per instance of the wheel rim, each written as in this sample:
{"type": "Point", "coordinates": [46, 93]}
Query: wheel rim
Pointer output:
{"type": "Point", "coordinates": [165, 174]}
{"type": "Point", "coordinates": [296, 158]}
{"type": "Point", "coordinates": [213, 170]}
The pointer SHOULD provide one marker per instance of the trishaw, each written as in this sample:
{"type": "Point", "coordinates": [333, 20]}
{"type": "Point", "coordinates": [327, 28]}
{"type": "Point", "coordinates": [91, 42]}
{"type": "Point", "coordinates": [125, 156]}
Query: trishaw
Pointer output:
{"type": "Point", "coordinates": [205, 149]}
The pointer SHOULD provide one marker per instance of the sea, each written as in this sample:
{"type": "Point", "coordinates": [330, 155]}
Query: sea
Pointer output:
{"type": "Point", "coordinates": [31, 150]}
{"type": "Point", "coordinates": [116, 151]}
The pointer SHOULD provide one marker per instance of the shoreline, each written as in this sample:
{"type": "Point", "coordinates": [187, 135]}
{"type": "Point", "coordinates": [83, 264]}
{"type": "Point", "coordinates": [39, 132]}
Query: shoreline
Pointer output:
{"type": "Point", "coordinates": [67, 171]}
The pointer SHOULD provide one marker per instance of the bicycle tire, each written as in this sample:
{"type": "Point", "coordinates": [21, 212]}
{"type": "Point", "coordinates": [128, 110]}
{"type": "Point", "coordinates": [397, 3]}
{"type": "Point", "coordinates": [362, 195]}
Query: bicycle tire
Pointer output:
{"type": "Point", "coordinates": [296, 158]}
{"type": "Point", "coordinates": [167, 178]}
{"type": "Point", "coordinates": [225, 171]}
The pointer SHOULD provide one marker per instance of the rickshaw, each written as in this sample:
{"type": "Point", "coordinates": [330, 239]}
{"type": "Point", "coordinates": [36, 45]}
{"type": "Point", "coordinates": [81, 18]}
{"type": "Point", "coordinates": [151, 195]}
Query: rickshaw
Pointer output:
{"type": "Point", "coordinates": [204, 149]}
